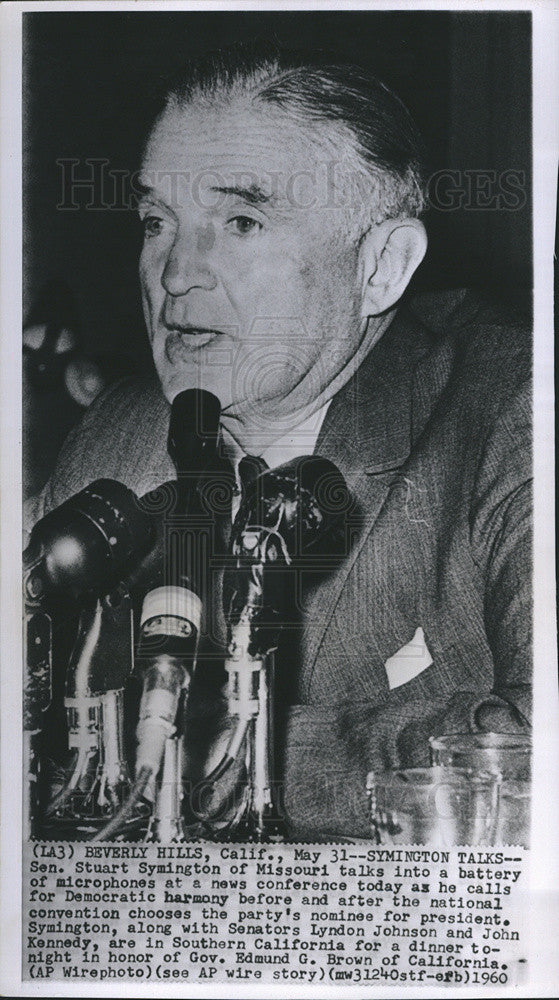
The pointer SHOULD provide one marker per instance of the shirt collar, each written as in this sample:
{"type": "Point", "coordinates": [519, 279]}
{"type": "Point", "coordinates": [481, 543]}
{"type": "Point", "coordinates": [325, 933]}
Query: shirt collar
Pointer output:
{"type": "Point", "coordinates": [299, 440]}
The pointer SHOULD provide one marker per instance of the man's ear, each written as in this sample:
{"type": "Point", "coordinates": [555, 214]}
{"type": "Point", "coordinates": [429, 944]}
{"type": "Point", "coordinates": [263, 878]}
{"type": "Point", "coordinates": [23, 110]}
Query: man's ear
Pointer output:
{"type": "Point", "coordinates": [391, 252]}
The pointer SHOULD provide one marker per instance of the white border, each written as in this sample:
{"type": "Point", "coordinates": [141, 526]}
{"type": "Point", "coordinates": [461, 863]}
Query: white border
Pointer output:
{"type": "Point", "coordinates": [544, 916]}
{"type": "Point", "coordinates": [10, 498]}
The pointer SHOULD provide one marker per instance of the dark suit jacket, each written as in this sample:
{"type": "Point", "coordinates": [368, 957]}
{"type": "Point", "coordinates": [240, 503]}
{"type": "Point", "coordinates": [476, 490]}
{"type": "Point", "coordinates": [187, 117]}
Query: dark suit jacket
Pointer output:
{"type": "Point", "coordinates": [433, 435]}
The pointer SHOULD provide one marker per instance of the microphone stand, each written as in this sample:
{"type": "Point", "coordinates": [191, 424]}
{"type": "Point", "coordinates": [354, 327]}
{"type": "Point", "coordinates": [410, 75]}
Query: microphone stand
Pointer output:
{"type": "Point", "coordinates": [250, 667]}
{"type": "Point", "coordinates": [99, 666]}
{"type": "Point", "coordinates": [292, 519]}
{"type": "Point", "coordinates": [166, 824]}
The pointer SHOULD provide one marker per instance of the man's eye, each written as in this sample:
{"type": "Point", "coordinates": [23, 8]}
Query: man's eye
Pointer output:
{"type": "Point", "coordinates": [244, 225]}
{"type": "Point", "coordinates": [153, 225]}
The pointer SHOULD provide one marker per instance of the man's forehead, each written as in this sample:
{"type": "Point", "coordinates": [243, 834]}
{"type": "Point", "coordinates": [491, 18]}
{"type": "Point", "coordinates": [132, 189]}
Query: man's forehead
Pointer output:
{"type": "Point", "coordinates": [240, 144]}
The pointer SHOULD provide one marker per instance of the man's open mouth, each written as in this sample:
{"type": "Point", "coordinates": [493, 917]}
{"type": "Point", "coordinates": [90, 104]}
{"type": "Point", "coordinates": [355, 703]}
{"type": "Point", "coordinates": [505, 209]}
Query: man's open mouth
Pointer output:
{"type": "Point", "coordinates": [184, 340]}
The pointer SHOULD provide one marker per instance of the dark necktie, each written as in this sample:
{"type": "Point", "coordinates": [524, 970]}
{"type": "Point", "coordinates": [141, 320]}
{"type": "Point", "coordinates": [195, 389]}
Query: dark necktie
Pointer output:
{"type": "Point", "coordinates": [249, 468]}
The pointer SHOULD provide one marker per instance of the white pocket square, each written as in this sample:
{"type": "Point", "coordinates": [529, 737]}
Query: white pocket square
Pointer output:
{"type": "Point", "coordinates": [411, 660]}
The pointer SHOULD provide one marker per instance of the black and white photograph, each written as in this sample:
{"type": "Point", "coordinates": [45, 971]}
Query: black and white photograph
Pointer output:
{"type": "Point", "coordinates": [286, 387]}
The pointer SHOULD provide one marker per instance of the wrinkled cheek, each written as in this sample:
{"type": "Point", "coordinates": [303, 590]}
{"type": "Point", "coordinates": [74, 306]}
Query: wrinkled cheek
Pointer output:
{"type": "Point", "coordinates": [152, 295]}
{"type": "Point", "coordinates": [334, 299]}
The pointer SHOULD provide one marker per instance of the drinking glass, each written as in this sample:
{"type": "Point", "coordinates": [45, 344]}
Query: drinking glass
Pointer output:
{"type": "Point", "coordinates": [507, 754]}
{"type": "Point", "coordinates": [435, 806]}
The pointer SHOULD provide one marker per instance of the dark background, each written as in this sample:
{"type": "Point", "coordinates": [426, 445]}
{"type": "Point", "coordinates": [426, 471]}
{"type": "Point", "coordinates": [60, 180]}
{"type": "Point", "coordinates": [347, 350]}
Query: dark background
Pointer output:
{"type": "Point", "coordinates": [466, 77]}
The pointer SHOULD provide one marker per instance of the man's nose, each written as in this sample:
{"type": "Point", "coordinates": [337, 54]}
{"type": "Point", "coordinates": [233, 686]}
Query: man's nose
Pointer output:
{"type": "Point", "coordinates": [188, 265]}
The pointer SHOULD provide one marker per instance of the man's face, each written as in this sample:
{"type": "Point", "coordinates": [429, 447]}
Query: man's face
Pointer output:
{"type": "Point", "coordinates": [250, 279]}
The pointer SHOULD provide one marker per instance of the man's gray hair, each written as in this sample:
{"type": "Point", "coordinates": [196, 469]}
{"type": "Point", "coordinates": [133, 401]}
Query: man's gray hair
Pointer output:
{"type": "Point", "coordinates": [315, 90]}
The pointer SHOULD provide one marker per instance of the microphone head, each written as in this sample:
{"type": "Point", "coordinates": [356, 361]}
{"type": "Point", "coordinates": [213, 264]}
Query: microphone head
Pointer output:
{"type": "Point", "coordinates": [303, 501]}
{"type": "Point", "coordinates": [193, 429]}
{"type": "Point", "coordinates": [90, 540]}
{"type": "Point", "coordinates": [290, 531]}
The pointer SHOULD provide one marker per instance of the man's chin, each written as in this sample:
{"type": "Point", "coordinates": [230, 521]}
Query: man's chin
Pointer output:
{"type": "Point", "coordinates": [172, 383]}
{"type": "Point", "coordinates": [261, 414]}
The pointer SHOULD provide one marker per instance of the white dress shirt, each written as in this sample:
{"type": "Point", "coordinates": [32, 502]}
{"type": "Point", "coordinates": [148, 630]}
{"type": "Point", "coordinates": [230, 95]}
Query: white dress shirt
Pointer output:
{"type": "Point", "coordinates": [299, 440]}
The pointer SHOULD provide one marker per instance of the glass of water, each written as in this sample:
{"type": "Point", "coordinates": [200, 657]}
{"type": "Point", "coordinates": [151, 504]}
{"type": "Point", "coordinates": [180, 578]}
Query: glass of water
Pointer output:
{"type": "Point", "coordinates": [435, 806]}
{"type": "Point", "coordinates": [506, 754]}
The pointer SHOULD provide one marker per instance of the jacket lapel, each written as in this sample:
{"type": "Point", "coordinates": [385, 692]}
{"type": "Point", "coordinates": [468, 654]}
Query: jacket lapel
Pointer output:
{"type": "Point", "coordinates": [367, 433]}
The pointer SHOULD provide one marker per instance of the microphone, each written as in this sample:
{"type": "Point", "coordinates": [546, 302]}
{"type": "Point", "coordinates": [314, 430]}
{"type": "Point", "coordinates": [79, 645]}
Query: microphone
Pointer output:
{"type": "Point", "coordinates": [166, 655]}
{"type": "Point", "coordinates": [169, 630]}
{"type": "Point", "coordinates": [291, 523]}
{"type": "Point", "coordinates": [305, 501]}
{"type": "Point", "coordinates": [83, 548]}
{"type": "Point", "coordinates": [88, 542]}
{"type": "Point", "coordinates": [172, 611]}
{"type": "Point", "coordinates": [193, 430]}
{"type": "Point", "coordinates": [170, 626]}
{"type": "Point", "coordinates": [183, 511]}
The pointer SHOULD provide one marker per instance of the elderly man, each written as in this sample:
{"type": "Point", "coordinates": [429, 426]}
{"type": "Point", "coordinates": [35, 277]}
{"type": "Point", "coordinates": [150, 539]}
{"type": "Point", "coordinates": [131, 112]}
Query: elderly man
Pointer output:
{"type": "Point", "coordinates": [280, 200]}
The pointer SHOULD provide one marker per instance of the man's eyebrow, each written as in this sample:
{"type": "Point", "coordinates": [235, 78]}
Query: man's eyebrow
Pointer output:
{"type": "Point", "coordinates": [142, 188]}
{"type": "Point", "coordinates": [253, 195]}
{"type": "Point", "coordinates": [145, 190]}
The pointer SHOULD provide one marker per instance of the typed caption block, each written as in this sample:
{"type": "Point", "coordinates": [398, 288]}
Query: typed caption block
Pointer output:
{"type": "Point", "coordinates": [331, 914]}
